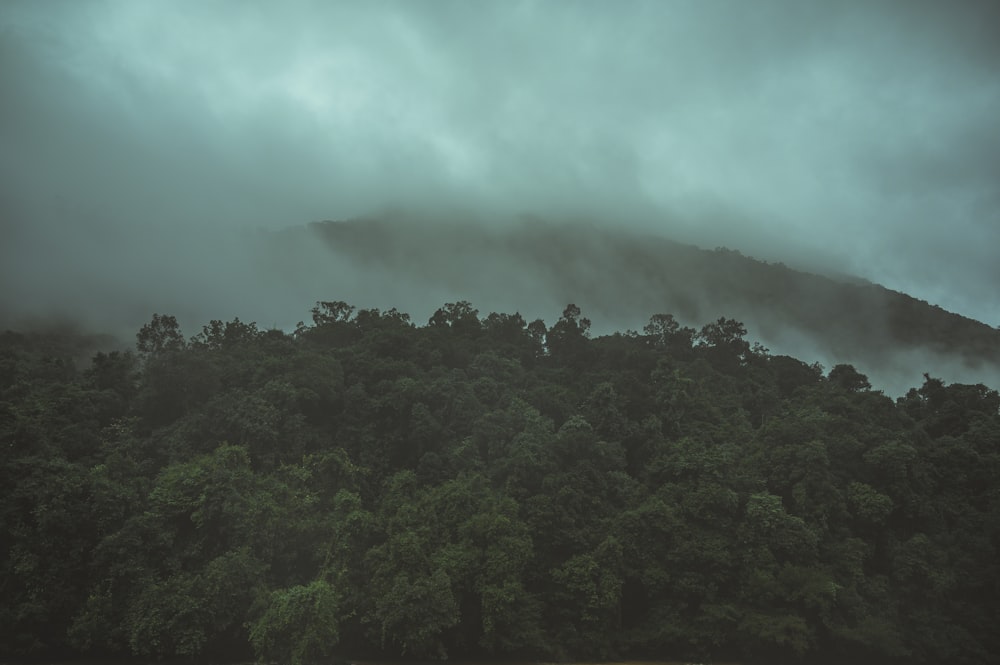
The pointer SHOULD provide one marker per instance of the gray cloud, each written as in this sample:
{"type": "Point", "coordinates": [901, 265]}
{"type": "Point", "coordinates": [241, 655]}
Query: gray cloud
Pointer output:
{"type": "Point", "coordinates": [138, 139]}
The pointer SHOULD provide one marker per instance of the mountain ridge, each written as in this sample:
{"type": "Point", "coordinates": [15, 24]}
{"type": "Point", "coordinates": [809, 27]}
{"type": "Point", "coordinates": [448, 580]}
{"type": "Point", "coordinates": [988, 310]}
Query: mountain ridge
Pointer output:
{"type": "Point", "coordinates": [624, 276]}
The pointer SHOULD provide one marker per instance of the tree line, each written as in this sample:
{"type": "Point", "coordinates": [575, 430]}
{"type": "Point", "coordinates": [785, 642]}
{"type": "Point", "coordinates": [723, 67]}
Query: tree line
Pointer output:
{"type": "Point", "coordinates": [488, 487]}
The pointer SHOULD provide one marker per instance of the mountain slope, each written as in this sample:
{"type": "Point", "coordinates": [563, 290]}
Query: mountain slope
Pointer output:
{"type": "Point", "coordinates": [619, 278]}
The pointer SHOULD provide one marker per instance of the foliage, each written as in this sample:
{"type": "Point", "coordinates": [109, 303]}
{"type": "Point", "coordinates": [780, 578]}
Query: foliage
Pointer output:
{"type": "Point", "coordinates": [487, 487]}
{"type": "Point", "coordinates": [300, 624]}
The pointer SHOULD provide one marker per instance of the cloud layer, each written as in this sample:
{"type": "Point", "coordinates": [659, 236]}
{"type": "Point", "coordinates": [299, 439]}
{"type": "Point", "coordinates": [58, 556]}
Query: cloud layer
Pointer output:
{"type": "Point", "coordinates": [136, 139]}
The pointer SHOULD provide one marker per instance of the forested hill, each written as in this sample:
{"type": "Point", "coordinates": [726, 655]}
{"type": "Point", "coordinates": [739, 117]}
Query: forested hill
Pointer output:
{"type": "Point", "coordinates": [621, 276]}
{"type": "Point", "coordinates": [484, 486]}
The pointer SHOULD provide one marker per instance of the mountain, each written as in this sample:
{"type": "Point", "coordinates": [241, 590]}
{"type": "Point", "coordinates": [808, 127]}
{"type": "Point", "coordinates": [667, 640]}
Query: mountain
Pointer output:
{"type": "Point", "coordinates": [620, 277]}
{"type": "Point", "coordinates": [484, 487]}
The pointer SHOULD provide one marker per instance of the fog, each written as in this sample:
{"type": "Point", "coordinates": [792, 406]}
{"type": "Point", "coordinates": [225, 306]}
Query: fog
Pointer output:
{"type": "Point", "coordinates": [144, 146]}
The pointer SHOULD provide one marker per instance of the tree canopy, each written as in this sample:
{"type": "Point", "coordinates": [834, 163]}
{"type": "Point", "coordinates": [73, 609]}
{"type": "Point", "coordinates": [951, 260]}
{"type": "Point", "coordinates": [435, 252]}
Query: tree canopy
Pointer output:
{"type": "Point", "coordinates": [488, 487]}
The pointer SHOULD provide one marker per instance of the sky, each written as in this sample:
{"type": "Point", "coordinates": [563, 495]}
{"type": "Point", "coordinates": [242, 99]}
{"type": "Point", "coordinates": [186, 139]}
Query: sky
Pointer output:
{"type": "Point", "coordinates": [140, 138]}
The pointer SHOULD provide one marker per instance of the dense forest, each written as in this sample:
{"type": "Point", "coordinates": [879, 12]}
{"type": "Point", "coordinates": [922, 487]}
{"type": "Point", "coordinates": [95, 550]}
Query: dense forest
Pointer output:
{"type": "Point", "coordinates": [485, 486]}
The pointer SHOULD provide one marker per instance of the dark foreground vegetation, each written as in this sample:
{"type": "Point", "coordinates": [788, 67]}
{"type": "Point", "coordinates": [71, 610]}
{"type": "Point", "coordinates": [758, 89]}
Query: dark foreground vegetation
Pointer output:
{"type": "Point", "coordinates": [484, 487]}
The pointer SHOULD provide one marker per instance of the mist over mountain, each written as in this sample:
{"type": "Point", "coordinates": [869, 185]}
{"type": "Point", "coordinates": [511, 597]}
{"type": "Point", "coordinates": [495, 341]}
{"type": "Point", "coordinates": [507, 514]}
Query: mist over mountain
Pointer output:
{"type": "Point", "coordinates": [149, 153]}
{"type": "Point", "coordinates": [415, 263]}
{"type": "Point", "coordinates": [620, 278]}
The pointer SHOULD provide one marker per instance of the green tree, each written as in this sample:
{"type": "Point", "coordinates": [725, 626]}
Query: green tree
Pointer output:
{"type": "Point", "coordinates": [566, 340]}
{"type": "Point", "coordinates": [161, 335]}
{"type": "Point", "coordinates": [299, 625]}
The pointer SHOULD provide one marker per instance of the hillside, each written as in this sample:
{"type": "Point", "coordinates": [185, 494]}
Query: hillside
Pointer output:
{"type": "Point", "coordinates": [488, 488]}
{"type": "Point", "coordinates": [618, 277]}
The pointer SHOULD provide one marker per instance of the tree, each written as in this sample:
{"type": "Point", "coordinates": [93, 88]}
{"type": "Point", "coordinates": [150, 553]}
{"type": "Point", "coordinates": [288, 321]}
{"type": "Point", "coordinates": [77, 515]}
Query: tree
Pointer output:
{"type": "Point", "coordinates": [849, 379]}
{"type": "Point", "coordinates": [588, 595]}
{"type": "Point", "coordinates": [724, 343]}
{"type": "Point", "coordinates": [567, 339]}
{"type": "Point", "coordinates": [664, 332]}
{"type": "Point", "coordinates": [188, 612]}
{"type": "Point", "coordinates": [331, 312]}
{"type": "Point", "coordinates": [460, 316]}
{"type": "Point", "coordinates": [161, 335]}
{"type": "Point", "coordinates": [218, 335]}
{"type": "Point", "coordinates": [299, 626]}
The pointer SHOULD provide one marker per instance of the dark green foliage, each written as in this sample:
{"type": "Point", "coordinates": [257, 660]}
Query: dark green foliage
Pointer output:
{"type": "Point", "coordinates": [488, 487]}
{"type": "Point", "coordinates": [299, 625]}
{"type": "Point", "coordinates": [161, 335]}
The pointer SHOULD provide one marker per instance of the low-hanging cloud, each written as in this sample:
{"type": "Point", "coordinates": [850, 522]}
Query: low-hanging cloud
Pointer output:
{"type": "Point", "coordinates": [138, 141]}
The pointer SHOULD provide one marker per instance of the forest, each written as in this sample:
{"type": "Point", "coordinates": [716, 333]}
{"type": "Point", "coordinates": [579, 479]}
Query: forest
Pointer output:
{"type": "Point", "coordinates": [487, 487]}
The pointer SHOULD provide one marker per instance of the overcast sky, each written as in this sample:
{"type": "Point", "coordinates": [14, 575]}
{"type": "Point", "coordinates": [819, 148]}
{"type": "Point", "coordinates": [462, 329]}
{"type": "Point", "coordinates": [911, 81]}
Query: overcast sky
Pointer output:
{"type": "Point", "coordinates": [858, 136]}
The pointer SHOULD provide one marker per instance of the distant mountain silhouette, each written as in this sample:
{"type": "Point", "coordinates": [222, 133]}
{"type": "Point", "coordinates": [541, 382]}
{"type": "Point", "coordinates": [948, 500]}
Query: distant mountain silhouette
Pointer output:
{"type": "Point", "coordinates": [623, 276]}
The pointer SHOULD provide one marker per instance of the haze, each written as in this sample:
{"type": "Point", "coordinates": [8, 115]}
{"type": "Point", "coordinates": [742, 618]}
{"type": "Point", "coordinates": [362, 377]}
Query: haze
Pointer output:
{"type": "Point", "coordinates": [142, 142]}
